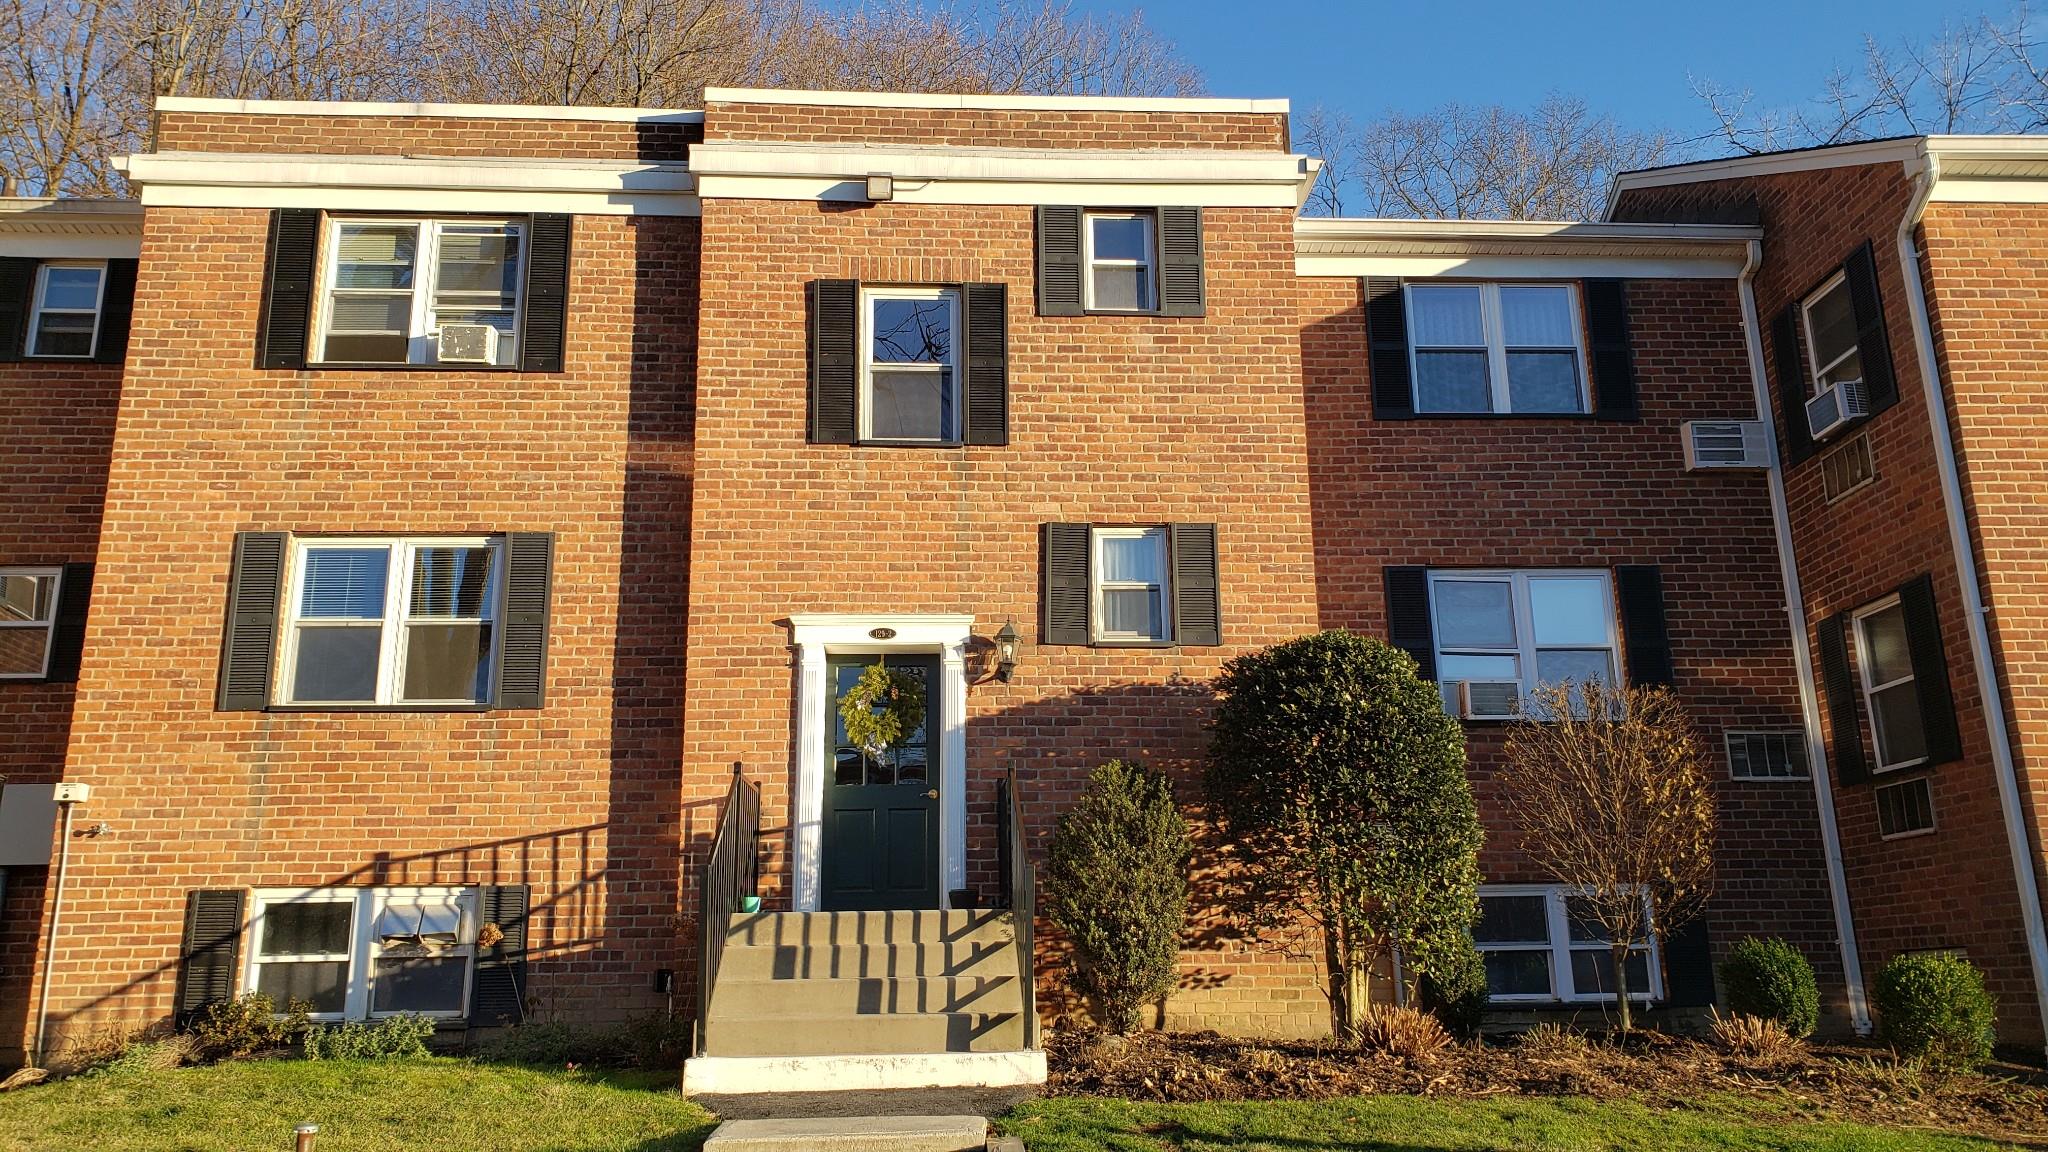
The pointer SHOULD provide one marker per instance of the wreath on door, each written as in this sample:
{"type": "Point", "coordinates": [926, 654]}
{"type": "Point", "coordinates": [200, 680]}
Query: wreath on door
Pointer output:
{"type": "Point", "coordinates": [882, 707]}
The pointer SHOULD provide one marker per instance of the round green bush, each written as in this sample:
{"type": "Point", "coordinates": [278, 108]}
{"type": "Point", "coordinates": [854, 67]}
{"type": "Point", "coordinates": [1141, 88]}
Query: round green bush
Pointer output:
{"type": "Point", "coordinates": [1455, 988]}
{"type": "Point", "coordinates": [1771, 980]}
{"type": "Point", "coordinates": [1932, 1007]}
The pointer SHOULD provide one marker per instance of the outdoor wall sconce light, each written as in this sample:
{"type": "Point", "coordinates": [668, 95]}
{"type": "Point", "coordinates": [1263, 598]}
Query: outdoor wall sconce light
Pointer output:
{"type": "Point", "coordinates": [1006, 651]}
{"type": "Point", "coordinates": [881, 187]}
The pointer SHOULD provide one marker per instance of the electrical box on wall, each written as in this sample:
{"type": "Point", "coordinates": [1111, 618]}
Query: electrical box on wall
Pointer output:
{"type": "Point", "coordinates": [72, 793]}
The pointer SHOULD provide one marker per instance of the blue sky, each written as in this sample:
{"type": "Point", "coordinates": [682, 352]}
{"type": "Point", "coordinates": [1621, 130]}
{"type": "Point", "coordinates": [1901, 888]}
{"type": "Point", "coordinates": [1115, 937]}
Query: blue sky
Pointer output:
{"type": "Point", "coordinates": [1629, 59]}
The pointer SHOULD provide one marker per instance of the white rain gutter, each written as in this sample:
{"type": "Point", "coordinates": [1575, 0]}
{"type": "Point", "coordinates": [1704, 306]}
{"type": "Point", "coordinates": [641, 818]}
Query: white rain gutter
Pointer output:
{"type": "Point", "coordinates": [1802, 657]}
{"type": "Point", "coordinates": [1974, 610]}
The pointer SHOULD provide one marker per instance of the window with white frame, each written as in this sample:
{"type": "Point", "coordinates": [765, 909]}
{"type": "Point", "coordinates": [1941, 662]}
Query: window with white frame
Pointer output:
{"type": "Point", "coordinates": [911, 377]}
{"type": "Point", "coordinates": [390, 621]}
{"type": "Point", "coordinates": [1832, 354]}
{"type": "Point", "coordinates": [359, 953]}
{"type": "Point", "coordinates": [1884, 663]}
{"type": "Point", "coordinates": [1539, 946]}
{"type": "Point", "coordinates": [1505, 632]}
{"type": "Point", "coordinates": [1129, 569]}
{"type": "Point", "coordinates": [28, 617]}
{"type": "Point", "coordinates": [65, 319]}
{"type": "Point", "coordinates": [421, 292]}
{"type": "Point", "coordinates": [1506, 348]}
{"type": "Point", "coordinates": [1120, 250]}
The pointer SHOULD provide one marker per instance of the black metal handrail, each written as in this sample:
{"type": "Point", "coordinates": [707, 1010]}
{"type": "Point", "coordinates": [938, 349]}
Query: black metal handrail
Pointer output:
{"type": "Point", "coordinates": [730, 872]}
{"type": "Point", "coordinates": [1020, 891]}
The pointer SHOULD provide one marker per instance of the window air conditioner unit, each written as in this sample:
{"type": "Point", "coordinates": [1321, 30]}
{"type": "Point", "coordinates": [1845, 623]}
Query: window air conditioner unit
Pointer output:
{"type": "Point", "coordinates": [1835, 407]}
{"type": "Point", "coordinates": [1726, 444]}
{"type": "Point", "coordinates": [468, 344]}
{"type": "Point", "coordinates": [1488, 699]}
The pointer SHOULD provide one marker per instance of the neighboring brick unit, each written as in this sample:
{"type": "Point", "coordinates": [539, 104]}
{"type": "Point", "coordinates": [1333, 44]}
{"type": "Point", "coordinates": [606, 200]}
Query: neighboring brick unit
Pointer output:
{"type": "Point", "coordinates": [561, 139]}
{"type": "Point", "coordinates": [995, 128]}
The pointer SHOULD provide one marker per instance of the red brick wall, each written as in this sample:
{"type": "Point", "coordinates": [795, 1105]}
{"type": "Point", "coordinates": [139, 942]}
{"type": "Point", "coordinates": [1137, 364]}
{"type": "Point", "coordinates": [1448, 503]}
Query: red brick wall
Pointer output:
{"type": "Point", "coordinates": [579, 799]}
{"type": "Point", "coordinates": [996, 128]}
{"type": "Point", "coordinates": [1953, 888]}
{"type": "Point", "coordinates": [423, 135]}
{"type": "Point", "coordinates": [1588, 493]}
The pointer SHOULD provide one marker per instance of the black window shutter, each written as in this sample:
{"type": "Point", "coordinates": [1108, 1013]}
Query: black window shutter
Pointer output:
{"type": "Point", "coordinates": [1689, 965]}
{"type": "Point", "coordinates": [1930, 671]}
{"type": "Point", "coordinates": [1839, 686]}
{"type": "Point", "coordinates": [117, 310]}
{"type": "Point", "coordinates": [1180, 262]}
{"type": "Point", "coordinates": [1613, 361]}
{"type": "Point", "coordinates": [288, 288]}
{"type": "Point", "coordinates": [835, 359]}
{"type": "Point", "coordinates": [986, 307]}
{"type": "Point", "coordinates": [1059, 260]}
{"type": "Point", "coordinates": [67, 645]}
{"type": "Point", "coordinates": [1792, 384]}
{"type": "Point", "coordinates": [1197, 607]}
{"type": "Point", "coordinates": [1644, 637]}
{"type": "Point", "coordinates": [17, 285]}
{"type": "Point", "coordinates": [1066, 584]}
{"type": "Point", "coordinates": [1386, 333]}
{"type": "Point", "coordinates": [249, 640]}
{"type": "Point", "coordinates": [1409, 626]}
{"type": "Point", "coordinates": [207, 956]}
{"type": "Point", "coordinates": [523, 637]}
{"type": "Point", "coordinates": [544, 313]}
{"type": "Point", "coordinates": [1879, 383]}
{"type": "Point", "coordinates": [498, 995]}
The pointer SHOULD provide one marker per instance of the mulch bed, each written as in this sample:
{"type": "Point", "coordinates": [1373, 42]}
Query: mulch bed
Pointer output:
{"type": "Point", "coordinates": [1845, 1082]}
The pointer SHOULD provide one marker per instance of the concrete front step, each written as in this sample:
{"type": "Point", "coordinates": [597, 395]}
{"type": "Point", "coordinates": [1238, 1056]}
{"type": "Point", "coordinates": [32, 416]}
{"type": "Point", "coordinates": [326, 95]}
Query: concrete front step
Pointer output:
{"type": "Point", "coordinates": [852, 1035]}
{"type": "Point", "coordinates": [992, 958]}
{"type": "Point", "coordinates": [774, 999]}
{"type": "Point", "coordinates": [761, 1077]}
{"type": "Point", "coordinates": [853, 1134]}
{"type": "Point", "coordinates": [869, 929]}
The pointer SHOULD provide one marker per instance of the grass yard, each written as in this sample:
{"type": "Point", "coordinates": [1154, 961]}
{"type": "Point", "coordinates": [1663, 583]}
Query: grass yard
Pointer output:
{"type": "Point", "coordinates": [384, 1106]}
{"type": "Point", "coordinates": [1416, 1124]}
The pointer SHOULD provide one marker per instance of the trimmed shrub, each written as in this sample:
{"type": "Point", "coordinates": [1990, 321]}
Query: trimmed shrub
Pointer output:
{"type": "Point", "coordinates": [249, 1023]}
{"type": "Point", "coordinates": [393, 1037]}
{"type": "Point", "coordinates": [1455, 988]}
{"type": "Point", "coordinates": [1771, 980]}
{"type": "Point", "coordinates": [1116, 883]}
{"type": "Point", "coordinates": [1933, 1008]}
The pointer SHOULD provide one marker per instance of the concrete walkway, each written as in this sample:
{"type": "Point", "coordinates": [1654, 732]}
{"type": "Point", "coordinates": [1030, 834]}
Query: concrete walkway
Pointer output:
{"type": "Point", "coordinates": [853, 1134]}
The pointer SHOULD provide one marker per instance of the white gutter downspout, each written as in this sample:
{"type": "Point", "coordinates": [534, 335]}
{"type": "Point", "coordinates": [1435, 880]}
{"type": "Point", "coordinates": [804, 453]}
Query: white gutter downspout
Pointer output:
{"type": "Point", "coordinates": [1802, 658]}
{"type": "Point", "coordinates": [1974, 610]}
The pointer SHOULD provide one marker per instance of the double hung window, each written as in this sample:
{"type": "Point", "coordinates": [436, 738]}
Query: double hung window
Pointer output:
{"type": "Point", "coordinates": [1891, 696]}
{"type": "Point", "coordinates": [1505, 633]}
{"type": "Point", "coordinates": [1539, 945]}
{"type": "Point", "coordinates": [1832, 353]}
{"type": "Point", "coordinates": [1130, 585]}
{"type": "Point", "coordinates": [391, 621]}
{"type": "Point", "coordinates": [1120, 255]}
{"type": "Point", "coordinates": [400, 291]}
{"type": "Point", "coordinates": [356, 953]}
{"type": "Point", "coordinates": [28, 616]}
{"type": "Point", "coordinates": [911, 378]}
{"type": "Point", "coordinates": [1499, 348]}
{"type": "Point", "coordinates": [65, 321]}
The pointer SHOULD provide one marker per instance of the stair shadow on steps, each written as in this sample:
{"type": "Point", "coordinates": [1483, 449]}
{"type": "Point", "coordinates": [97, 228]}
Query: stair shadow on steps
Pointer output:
{"type": "Point", "coordinates": [890, 1102]}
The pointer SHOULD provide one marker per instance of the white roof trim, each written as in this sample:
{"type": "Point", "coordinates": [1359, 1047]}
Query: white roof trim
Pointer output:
{"type": "Point", "coordinates": [992, 103]}
{"type": "Point", "coordinates": [409, 108]}
{"type": "Point", "coordinates": [1766, 164]}
{"type": "Point", "coordinates": [1971, 169]}
{"type": "Point", "coordinates": [49, 228]}
{"type": "Point", "coordinates": [1518, 249]}
{"type": "Point", "coordinates": [490, 184]}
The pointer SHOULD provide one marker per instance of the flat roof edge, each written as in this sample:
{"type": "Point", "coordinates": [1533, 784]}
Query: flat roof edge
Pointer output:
{"type": "Point", "coordinates": [993, 102]}
{"type": "Point", "coordinates": [428, 109]}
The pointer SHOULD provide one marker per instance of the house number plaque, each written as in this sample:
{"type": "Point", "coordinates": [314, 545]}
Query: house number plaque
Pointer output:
{"type": "Point", "coordinates": [881, 633]}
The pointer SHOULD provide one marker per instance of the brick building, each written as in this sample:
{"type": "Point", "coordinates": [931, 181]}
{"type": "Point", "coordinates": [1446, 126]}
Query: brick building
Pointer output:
{"type": "Point", "coordinates": [489, 483]}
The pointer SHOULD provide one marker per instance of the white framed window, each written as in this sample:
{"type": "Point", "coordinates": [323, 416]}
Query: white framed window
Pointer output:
{"type": "Point", "coordinates": [1513, 630]}
{"type": "Point", "coordinates": [28, 620]}
{"type": "Point", "coordinates": [1539, 947]}
{"type": "Point", "coordinates": [910, 365]}
{"type": "Point", "coordinates": [362, 953]}
{"type": "Point", "coordinates": [1129, 585]}
{"type": "Point", "coordinates": [64, 321]}
{"type": "Point", "coordinates": [1884, 665]}
{"type": "Point", "coordinates": [1121, 254]}
{"type": "Point", "coordinates": [1905, 809]}
{"type": "Point", "coordinates": [1832, 355]}
{"type": "Point", "coordinates": [383, 621]}
{"type": "Point", "coordinates": [420, 291]}
{"type": "Point", "coordinates": [1503, 348]}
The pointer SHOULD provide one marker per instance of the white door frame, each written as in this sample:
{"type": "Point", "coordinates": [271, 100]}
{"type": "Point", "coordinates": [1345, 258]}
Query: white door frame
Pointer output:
{"type": "Point", "coordinates": [820, 635]}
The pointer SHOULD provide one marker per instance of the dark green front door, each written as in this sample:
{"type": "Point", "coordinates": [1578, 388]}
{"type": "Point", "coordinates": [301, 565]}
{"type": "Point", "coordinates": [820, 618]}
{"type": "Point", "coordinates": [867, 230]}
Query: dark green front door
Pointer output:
{"type": "Point", "coordinates": [881, 835]}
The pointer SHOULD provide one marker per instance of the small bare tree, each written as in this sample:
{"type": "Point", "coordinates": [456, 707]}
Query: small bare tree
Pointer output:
{"type": "Point", "coordinates": [1611, 798]}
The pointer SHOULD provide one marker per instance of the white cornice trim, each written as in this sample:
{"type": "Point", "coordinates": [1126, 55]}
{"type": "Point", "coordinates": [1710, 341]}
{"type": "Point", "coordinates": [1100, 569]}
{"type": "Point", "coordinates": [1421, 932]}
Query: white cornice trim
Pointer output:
{"type": "Point", "coordinates": [1519, 249]}
{"type": "Point", "coordinates": [377, 183]}
{"type": "Point", "coordinates": [993, 103]}
{"type": "Point", "coordinates": [444, 111]}
{"type": "Point", "coordinates": [1766, 164]}
{"type": "Point", "coordinates": [47, 228]}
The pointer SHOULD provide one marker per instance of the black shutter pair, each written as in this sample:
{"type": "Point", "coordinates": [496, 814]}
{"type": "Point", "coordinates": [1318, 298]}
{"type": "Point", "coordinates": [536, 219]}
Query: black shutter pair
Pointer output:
{"type": "Point", "coordinates": [293, 262]}
{"type": "Point", "coordinates": [1609, 353]}
{"type": "Point", "coordinates": [1192, 566]}
{"type": "Point", "coordinates": [1795, 380]}
{"type": "Point", "coordinates": [1930, 679]}
{"type": "Point", "coordinates": [1646, 641]}
{"type": "Point", "coordinates": [256, 588]}
{"type": "Point", "coordinates": [17, 304]}
{"type": "Point", "coordinates": [498, 994]}
{"type": "Point", "coordinates": [834, 307]}
{"type": "Point", "coordinates": [1060, 264]}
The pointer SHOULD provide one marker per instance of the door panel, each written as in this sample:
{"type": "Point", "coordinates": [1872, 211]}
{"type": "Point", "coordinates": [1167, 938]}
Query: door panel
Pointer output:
{"type": "Point", "coordinates": [881, 848]}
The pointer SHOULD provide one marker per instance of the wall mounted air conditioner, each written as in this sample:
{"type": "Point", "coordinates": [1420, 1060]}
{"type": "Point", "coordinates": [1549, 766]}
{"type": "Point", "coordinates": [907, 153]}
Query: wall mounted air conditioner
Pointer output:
{"type": "Point", "coordinates": [1726, 444]}
{"type": "Point", "coordinates": [1836, 407]}
{"type": "Point", "coordinates": [1488, 699]}
{"type": "Point", "coordinates": [468, 344]}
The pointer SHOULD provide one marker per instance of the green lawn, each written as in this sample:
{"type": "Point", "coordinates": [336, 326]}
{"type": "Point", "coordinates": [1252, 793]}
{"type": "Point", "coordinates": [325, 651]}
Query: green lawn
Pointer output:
{"type": "Point", "coordinates": [1411, 1124]}
{"type": "Point", "coordinates": [392, 1106]}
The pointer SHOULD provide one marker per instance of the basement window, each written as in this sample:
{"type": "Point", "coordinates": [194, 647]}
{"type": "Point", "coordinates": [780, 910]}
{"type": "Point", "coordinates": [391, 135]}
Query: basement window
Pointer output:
{"type": "Point", "coordinates": [361, 953]}
{"type": "Point", "coordinates": [1905, 809]}
{"type": "Point", "coordinates": [1772, 755]}
{"type": "Point", "coordinates": [1540, 947]}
